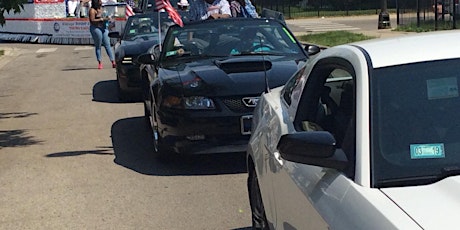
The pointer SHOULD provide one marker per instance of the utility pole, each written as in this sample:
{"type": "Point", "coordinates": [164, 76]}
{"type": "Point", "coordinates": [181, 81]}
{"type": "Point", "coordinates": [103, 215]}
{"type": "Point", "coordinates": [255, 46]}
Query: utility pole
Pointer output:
{"type": "Point", "coordinates": [384, 16]}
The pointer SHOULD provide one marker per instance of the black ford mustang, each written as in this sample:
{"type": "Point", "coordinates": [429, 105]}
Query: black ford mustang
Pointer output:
{"type": "Point", "coordinates": [139, 34]}
{"type": "Point", "coordinates": [202, 85]}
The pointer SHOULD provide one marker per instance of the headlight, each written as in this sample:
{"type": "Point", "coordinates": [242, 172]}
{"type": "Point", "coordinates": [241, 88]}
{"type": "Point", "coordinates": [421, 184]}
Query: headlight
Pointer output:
{"type": "Point", "coordinates": [193, 103]}
{"type": "Point", "coordinates": [127, 60]}
{"type": "Point", "coordinates": [198, 102]}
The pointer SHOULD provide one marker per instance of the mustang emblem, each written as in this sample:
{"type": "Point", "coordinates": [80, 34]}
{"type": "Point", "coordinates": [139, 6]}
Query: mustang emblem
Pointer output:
{"type": "Point", "coordinates": [250, 101]}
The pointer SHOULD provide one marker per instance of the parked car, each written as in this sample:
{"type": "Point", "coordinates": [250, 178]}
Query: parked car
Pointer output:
{"type": "Point", "coordinates": [363, 136]}
{"type": "Point", "coordinates": [140, 33]}
{"type": "Point", "coordinates": [202, 87]}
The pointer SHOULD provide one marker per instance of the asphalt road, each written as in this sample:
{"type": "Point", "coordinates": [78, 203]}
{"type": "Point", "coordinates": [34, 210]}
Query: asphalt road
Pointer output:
{"type": "Point", "coordinates": [73, 157]}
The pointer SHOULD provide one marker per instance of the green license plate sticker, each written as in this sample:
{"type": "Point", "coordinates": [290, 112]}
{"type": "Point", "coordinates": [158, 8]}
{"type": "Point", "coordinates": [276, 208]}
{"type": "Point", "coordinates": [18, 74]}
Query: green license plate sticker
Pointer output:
{"type": "Point", "coordinates": [427, 151]}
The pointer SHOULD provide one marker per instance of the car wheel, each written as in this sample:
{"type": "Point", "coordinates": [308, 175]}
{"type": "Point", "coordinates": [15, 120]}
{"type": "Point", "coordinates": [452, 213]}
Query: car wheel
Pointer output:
{"type": "Point", "coordinates": [157, 144]}
{"type": "Point", "coordinates": [259, 220]}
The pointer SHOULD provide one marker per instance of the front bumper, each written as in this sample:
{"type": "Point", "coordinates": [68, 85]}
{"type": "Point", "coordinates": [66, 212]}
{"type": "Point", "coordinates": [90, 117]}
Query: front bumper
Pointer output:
{"type": "Point", "coordinates": [202, 132]}
{"type": "Point", "coordinates": [129, 77]}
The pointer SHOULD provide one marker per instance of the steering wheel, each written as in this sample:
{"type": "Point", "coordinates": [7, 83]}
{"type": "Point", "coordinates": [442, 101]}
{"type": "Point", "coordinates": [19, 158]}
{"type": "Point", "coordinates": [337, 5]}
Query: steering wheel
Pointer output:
{"type": "Point", "coordinates": [262, 47]}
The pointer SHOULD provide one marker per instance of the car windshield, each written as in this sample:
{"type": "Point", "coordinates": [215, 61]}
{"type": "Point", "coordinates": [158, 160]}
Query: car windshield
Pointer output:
{"type": "Point", "coordinates": [230, 37]}
{"type": "Point", "coordinates": [415, 123]}
{"type": "Point", "coordinates": [145, 27]}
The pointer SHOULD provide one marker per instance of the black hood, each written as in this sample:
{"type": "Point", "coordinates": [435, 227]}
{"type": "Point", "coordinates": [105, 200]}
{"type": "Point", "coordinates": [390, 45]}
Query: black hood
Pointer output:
{"type": "Point", "coordinates": [243, 75]}
{"type": "Point", "coordinates": [136, 47]}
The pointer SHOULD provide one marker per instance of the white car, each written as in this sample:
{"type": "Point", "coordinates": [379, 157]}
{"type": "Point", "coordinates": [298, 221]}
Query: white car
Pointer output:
{"type": "Point", "coordinates": [363, 136]}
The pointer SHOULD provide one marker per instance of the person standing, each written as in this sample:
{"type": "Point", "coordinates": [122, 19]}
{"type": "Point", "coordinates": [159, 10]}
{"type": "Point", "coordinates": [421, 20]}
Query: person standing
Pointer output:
{"type": "Point", "coordinates": [100, 32]}
{"type": "Point", "coordinates": [72, 7]}
{"type": "Point", "coordinates": [209, 9]}
{"type": "Point", "coordinates": [243, 8]}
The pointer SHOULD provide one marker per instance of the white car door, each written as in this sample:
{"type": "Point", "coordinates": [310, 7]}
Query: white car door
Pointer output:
{"type": "Point", "coordinates": [299, 190]}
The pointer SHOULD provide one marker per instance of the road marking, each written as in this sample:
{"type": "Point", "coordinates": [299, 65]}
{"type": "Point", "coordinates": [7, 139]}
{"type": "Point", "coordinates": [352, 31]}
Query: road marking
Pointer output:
{"type": "Point", "coordinates": [84, 48]}
{"type": "Point", "coordinates": [46, 50]}
{"type": "Point", "coordinates": [324, 26]}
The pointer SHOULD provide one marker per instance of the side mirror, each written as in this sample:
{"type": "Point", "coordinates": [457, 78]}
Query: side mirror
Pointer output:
{"type": "Point", "coordinates": [114, 34]}
{"type": "Point", "coordinates": [147, 58]}
{"type": "Point", "coordinates": [312, 49]}
{"type": "Point", "coordinates": [312, 148]}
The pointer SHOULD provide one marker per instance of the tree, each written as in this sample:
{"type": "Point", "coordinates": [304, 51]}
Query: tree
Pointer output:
{"type": "Point", "coordinates": [15, 6]}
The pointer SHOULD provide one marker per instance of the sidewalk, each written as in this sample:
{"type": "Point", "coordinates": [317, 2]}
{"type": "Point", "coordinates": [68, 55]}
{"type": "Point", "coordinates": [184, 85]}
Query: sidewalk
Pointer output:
{"type": "Point", "coordinates": [7, 53]}
{"type": "Point", "coordinates": [365, 24]}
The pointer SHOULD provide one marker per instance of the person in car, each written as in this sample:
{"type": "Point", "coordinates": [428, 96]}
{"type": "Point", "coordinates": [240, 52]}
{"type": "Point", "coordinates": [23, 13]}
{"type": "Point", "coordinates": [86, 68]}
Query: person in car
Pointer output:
{"type": "Point", "coordinates": [209, 9]}
{"type": "Point", "coordinates": [243, 8]}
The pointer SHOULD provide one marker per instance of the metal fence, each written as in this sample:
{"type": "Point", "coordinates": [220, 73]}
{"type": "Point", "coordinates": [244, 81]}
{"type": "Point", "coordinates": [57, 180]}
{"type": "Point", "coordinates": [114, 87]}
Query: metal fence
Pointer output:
{"type": "Point", "coordinates": [408, 12]}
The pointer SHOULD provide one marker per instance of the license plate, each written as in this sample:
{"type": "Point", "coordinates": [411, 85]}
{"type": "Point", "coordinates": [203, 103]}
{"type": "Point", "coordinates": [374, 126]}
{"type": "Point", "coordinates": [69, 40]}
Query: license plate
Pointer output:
{"type": "Point", "coordinates": [246, 122]}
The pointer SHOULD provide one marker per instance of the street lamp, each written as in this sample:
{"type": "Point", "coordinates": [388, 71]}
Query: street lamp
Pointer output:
{"type": "Point", "coordinates": [384, 16]}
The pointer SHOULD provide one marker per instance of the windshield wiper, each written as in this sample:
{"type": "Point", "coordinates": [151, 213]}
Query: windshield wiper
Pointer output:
{"type": "Point", "coordinates": [258, 53]}
{"type": "Point", "coordinates": [450, 171]}
{"type": "Point", "coordinates": [407, 181]}
{"type": "Point", "coordinates": [447, 171]}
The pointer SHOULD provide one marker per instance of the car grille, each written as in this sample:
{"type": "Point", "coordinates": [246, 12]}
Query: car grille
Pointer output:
{"type": "Point", "coordinates": [235, 104]}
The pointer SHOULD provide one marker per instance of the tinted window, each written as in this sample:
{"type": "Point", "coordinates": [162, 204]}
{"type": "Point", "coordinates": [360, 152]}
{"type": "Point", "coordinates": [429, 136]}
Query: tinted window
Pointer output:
{"type": "Point", "coordinates": [415, 123]}
{"type": "Point", "coordinates": [231, 37]}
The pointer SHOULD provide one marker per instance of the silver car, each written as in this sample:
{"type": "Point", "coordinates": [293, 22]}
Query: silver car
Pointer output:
{"type": "Point", "coordinates": [363, 136]}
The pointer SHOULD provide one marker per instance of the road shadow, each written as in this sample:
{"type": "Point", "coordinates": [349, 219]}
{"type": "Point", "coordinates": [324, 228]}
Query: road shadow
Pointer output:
{"type": "Point", "coordinates": [98, 151]}
{"type": "Point", "coordinates": [17, 137]}
{"type": "Point", "coordinates": [78, 68]}
{"type": "Point", "coordinates": [132, 145]}
{"type": "Point", "coordinates": [107, 92]}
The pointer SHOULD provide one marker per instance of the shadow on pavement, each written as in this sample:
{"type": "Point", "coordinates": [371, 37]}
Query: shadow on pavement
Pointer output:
{"type": "Point", "coordinates": [18, 137]}
{"type": "Point", "coordinates": [107, 91]}
{"type": "Point", "coordinates": [102, 151]}
{"type": "Point", "coordinates": [132, 144]}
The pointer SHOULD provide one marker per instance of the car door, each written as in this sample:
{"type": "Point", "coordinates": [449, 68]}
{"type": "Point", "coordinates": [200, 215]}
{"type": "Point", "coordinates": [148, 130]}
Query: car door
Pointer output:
{"type": "Point", "coordinates": [303, 193]}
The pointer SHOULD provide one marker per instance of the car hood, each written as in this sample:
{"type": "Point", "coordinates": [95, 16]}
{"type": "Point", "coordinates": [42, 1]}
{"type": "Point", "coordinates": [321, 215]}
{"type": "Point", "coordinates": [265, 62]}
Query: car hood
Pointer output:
{"type": "Point", "coordinates": [136, 47]}
{"type": "Point", "coordinates": [232, 76]}
{"type": "Point", "coordinates": [433, 206]}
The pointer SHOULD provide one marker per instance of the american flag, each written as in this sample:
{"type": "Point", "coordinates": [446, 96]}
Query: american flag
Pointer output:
{"type": "Point", "coordinates": [129, 11]}
{"type": "Point", "coordinates": [165, 4]}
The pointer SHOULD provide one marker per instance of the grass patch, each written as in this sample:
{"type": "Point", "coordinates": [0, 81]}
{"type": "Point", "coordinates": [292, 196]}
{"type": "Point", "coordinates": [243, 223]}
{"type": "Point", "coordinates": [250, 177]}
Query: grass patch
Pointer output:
{"type": "Point", "coordinates": [2, 52]}
{"type": "Point", "coordinates": [333, 38]}
{"type": "Point", "coordinates": [425, 26]}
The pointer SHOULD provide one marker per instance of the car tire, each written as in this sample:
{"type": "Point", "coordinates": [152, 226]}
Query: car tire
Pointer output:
{"type": "Point", "coordinates": [156, 137]}
{"type": "Point", "coordinates": [259, 219]}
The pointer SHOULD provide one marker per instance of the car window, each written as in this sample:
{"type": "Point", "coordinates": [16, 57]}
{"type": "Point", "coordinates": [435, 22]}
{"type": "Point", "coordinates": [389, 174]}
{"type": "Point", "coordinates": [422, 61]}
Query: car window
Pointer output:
{"type": "Point", "coordinates": [415, 123]}
{"type": "Point", "coordinates": [223, 38]}
{"type": "Point", "coordinates": [327, 103]}
{"type": "Point", "coordinates": [291, 85]}
{"type": "Point", "coordinates": [145, 27]}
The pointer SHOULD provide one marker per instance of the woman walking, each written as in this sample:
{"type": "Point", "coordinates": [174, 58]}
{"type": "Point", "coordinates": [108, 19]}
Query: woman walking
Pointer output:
{"type": "Point", "coordinates": [100, 32]}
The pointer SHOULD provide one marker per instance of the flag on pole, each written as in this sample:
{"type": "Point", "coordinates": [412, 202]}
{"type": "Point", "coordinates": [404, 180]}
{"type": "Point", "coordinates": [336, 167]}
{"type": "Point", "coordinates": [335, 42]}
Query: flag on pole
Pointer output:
{"type": "Point", "coordinates": [165, 4]}
{"type": "Point", "coordinates": [129, 11]}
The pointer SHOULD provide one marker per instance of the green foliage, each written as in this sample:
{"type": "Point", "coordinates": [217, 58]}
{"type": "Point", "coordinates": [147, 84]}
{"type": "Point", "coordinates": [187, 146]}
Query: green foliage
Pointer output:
{"type": "Point", "coordinates": [333, 38]}
{"type": "Point", "coordinates": [425, 26]}
{"type": "Point", "coordinates": [2, 52]}
{"type": "Point", "coordinates": [9, 6]}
